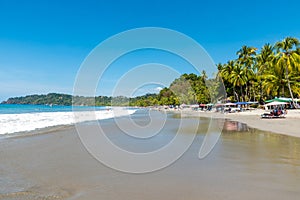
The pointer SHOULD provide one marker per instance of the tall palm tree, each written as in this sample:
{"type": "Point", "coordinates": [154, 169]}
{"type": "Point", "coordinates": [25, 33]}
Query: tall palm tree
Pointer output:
{"type": "Point", "coordinates": [265, 57]}
{"type": "Point", "coordinates": [225, 74]}
{"type": "Point", "coordinates": [274, 79]}
{"type": "Point", "coordinates": [263, 64]}
{"type": "Point", "coordinates": [246, 56]}
{"type": "Point", "coordinates": [238, 78]}
{"type": "Point", "coordinates": [227, 68]}
{"type": "Point", "coordinates": [270, 72]}
{"type": "Point", "coordinates": [286, 54]}
{"type": "Point", "coordinates": [246, 59]}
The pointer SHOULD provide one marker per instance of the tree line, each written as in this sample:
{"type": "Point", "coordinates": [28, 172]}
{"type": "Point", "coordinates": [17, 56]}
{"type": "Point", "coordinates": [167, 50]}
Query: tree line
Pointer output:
{"type": "Point", "coordinates": [261, 74]}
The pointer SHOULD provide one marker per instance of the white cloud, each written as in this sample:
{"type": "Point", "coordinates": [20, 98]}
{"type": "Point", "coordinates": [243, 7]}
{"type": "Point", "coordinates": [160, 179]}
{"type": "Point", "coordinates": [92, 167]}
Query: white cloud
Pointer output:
{"type": "Point", "coordinates": [158, 89]}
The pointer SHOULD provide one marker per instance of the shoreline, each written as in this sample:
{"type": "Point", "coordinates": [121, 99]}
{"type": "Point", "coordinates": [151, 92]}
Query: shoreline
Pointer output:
{"type": "Point", "coordinates": [285, 126]}
{"type": "Point", "coordinates": [58, 166]}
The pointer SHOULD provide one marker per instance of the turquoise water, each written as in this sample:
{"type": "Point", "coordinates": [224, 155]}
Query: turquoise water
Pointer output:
{"type": "Point", "coordinates": [19, 109]}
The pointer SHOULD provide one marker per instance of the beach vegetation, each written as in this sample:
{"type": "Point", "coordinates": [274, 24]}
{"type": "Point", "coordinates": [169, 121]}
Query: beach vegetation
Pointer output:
{"type": "Point", "coordinates": [258, 75]}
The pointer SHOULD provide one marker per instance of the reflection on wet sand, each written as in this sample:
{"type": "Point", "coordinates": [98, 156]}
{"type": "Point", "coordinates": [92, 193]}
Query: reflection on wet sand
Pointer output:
{"type": "Point", "coordinates": [235, 126]}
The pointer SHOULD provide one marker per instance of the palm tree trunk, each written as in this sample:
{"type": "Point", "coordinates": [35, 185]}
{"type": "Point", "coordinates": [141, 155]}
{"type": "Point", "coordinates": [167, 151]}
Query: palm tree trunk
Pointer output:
{"type": "Point", "coordinates": [289, 86]}
{"type": "Point", "coordinates": [291, 93]}
{"type": "Point", "coordinates": [247, 92]}
{"type": "Point", "coordinates": [254, 96]}
{"type": "Point", "coordinates": [242, 94]}
{"type": "Point", "coordinates": [236, 96]}
{"type": "Point", "coordinates": [260, 91]}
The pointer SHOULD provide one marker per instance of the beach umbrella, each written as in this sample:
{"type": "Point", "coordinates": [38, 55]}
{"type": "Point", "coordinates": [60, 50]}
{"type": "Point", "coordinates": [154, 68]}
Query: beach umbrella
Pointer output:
{"type": "Point", "coordinates": [195, 106]}
{"type": "Point", "coordinates": [252, 102]}
{"type": "Point", "coordinates": [276, 103]}
{"type": "Point", "coordinates": [229, 104]}
{"type": "Point", "coordinates": [241, 103]}
{"type": "Point", "coordinates": [280, 99]}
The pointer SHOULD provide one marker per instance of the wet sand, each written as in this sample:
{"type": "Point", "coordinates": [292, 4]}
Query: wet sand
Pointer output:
{"type": "Point", "coordinates": [287, 126]}
{"type": "Point", "coordinates": [245, 164]}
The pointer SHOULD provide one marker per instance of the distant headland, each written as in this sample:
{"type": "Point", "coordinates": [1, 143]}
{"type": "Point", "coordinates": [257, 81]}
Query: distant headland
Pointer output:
{"type": "Point", "coordinates": [188, 88]}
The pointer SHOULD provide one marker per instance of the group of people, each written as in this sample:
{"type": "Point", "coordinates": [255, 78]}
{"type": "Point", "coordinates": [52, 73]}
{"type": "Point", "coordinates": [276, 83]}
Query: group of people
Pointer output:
{"type": "Point", "coordinates": [278, 111]}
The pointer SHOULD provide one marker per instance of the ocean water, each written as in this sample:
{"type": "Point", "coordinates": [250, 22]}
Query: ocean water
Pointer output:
{"type": "Point", "coordinates": [20, 118]}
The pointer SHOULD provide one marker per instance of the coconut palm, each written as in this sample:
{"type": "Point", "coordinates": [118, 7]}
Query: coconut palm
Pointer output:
{"type": "Point", "coordinates": [238, 78]}
{"type": "Point", "coordinates": [265, 58]}
{"type": "Point", "coordinates": [270, 72]}
{"type": "Point", "coordinates": [246, 59]}
{"type": "Point", "coordinates": [227, 69]}
{"type": "Point", "coordinates": [263, 64]}
{"type": "Point", "coordinates": [225, 73]}
{"type": "Point", "coordinates": [274, 79]}
{"type": "Point", "coordinates": [287, 57]}
{"type": "Point", "coordinates": [246, 56]}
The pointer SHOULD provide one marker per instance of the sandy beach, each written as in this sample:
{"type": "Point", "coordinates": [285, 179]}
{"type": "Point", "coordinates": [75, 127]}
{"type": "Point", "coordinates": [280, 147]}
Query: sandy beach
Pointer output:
{"type": "Point", "coordinates": [286, 126]}
{"type": "Point", "coordinates": [243, 165]}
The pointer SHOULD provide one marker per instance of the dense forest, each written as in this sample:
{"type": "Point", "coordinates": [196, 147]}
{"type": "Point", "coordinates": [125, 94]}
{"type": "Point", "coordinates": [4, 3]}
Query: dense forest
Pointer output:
{"type": "Point", "coordinates": [255, 75]}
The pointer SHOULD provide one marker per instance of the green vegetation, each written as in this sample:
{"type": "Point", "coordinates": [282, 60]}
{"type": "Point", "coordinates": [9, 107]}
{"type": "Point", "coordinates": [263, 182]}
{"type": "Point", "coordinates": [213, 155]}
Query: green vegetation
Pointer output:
{"type": "Point", "coordinates": [273, 71]}
{"type": "Point", "coordinates": [255, 75]}
{"type": "Point", "coordinates": [51, 98]}
{"type": "Point", "coordinates": [188, 88]}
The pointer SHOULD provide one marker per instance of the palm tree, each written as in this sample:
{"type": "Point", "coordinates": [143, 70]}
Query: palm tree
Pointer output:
{"type": "Point", "coordinates": [246, 59]}
{"type": "Point", "coordinates": [238, 78]}
{"type": "Point", "coordinates": [273, 73]}
{"type": "Point", "coordinates": [227, 68]}
{"type": "Point", "coordinates": [263, 64]}
{"type": "Point", "coordinates": [286, 56]}
{"type": "Point", "coordinates": [225, 72]}
{"type": "Point", "coordinates": [246, 56]}
{"type": "Point", "coordinates": [274, 79]}
{"type": "Point", "coordinates": [265, 57]}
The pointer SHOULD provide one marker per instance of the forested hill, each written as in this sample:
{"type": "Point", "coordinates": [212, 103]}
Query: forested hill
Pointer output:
{"type": "Point", "coordinates": [188, 89]}
{"type": "Point", "coordinates": [51, 98]}
{"type": "Point", "coordinates": [65, 99]}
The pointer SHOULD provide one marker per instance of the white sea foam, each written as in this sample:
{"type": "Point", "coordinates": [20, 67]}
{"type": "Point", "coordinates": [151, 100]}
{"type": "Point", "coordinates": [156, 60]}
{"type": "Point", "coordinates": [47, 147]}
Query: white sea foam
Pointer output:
{"type": "Point", "coordinates": [12, 123]}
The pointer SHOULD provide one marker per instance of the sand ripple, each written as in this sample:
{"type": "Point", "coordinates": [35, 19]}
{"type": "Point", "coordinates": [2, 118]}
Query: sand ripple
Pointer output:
{"type": "Point", "coordinates": [31, 195]}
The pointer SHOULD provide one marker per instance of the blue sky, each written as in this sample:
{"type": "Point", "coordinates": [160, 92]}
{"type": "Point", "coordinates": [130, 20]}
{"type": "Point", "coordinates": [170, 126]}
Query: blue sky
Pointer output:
{"type": "Point", "coordinates": [44, 42]}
